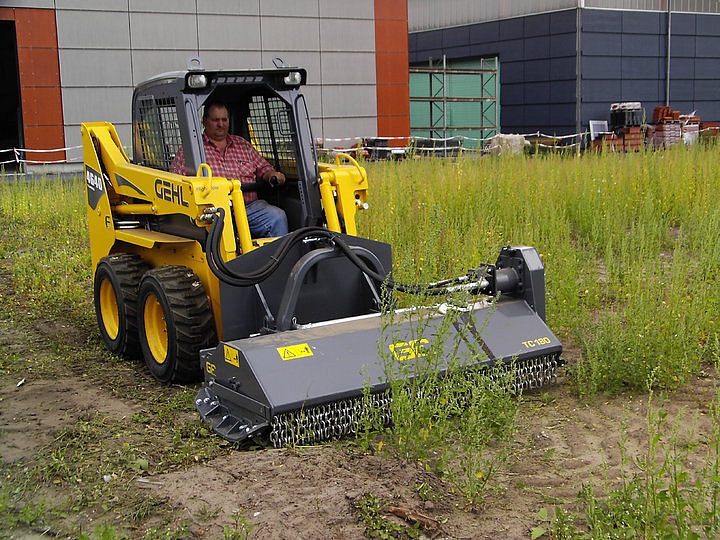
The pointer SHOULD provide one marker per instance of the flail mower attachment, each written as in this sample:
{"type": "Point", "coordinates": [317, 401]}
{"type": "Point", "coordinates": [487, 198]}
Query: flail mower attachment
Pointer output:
{"type": "Point", "coordinates": [312, 383]}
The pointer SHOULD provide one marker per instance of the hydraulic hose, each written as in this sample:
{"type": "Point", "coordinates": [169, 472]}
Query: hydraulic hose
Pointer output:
{"type": "Point", "coordinates": [284, 245]}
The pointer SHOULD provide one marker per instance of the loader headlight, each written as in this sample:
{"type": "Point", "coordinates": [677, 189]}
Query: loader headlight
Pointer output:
{"type": "Point", "coordinates": [294, 78]}
{"type": "Point", "coordinates": [197, 80]}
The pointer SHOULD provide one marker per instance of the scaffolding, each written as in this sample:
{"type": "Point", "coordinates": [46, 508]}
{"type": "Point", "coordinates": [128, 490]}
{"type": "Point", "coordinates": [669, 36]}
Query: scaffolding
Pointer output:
{"type": "Point", "coordinates": [454, 104]}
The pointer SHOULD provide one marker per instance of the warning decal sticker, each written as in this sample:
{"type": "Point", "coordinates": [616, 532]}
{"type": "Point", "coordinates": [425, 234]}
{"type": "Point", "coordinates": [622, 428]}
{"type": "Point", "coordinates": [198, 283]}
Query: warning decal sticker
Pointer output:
{"type": "Point", "coordinates": [293, 352]}
{"type": "Point", "coordinates": [232, 356]}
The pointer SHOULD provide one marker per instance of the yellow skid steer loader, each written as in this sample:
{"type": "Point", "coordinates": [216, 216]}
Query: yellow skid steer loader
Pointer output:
{"type": "Point", "coordinates": [287, 332]}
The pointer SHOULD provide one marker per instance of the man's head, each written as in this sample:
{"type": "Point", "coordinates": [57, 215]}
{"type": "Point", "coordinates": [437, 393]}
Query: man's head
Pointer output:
{"type": "Point", "coordinates": [216, 121]}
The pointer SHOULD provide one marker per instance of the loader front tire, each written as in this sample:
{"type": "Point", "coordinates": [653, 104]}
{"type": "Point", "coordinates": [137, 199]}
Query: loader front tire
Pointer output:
{"type": "Point", "coordinates": [175, 322]}
{"type": "Point", "coordinates": [115, 289]}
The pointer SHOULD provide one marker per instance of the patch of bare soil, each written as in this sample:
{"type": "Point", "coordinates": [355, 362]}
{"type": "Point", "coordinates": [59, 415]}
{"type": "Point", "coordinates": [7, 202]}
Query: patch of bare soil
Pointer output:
{"type": "Point", "coordinates": [33, 411]}
{"type": "Point", "coordinates": [311, 492]}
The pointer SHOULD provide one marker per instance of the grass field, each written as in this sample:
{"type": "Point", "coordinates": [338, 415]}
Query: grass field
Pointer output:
{"type": "Point", "coordinates": [629, 242]}
{"type": "Point", "coordinates": [632, 255]}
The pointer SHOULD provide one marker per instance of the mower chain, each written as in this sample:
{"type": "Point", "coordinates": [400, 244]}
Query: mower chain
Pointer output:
{"type": "Point", "coordinates": [340, 418]}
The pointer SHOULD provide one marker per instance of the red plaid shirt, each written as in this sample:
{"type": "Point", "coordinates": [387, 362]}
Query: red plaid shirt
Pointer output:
{"type": "Point", "coordinates": [240, 161]}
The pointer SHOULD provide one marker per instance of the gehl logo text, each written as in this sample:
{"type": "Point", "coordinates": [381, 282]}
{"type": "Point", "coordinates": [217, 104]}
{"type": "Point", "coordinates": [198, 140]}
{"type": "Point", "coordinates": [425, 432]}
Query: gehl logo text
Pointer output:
{"type": "Point", "coordinates": [169, 192]}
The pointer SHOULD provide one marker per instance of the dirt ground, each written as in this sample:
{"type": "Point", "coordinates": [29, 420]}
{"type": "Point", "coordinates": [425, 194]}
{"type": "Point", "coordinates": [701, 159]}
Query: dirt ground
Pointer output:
{"type": "Point", "coordinates": [310, 492]}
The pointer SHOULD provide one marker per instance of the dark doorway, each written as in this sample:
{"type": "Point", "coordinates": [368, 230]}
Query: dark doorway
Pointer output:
{"type": "Point", "coordinates": [10, 112]}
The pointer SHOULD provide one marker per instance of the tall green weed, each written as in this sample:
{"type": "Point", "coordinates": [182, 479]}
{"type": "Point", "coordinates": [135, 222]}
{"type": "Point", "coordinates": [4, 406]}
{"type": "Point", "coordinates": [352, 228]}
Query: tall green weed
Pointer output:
{"type": "Point", "coordinates": [629, 242]}
{"type": "Point", "coordinates": [660, 493]}
{"type": "Point", "coordinates": [449, 410]}
{"type": "Point", "coordinates": [45, 238]}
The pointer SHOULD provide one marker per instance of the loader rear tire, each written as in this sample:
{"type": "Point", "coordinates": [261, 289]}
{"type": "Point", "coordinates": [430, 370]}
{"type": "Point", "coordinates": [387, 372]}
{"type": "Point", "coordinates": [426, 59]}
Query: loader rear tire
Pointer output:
{"type": "Point", "coordinates": [115, 288]}
{"type": "Point", "coordinates": [175, 322]}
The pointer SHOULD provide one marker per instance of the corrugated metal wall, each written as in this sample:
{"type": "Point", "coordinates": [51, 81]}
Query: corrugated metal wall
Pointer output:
{"type": "Point", "coordinates": [428, 14]}
{"type": "Point", "coordinates": [431, 14]}
{"type": "Point", "coordinates": [682, 6]}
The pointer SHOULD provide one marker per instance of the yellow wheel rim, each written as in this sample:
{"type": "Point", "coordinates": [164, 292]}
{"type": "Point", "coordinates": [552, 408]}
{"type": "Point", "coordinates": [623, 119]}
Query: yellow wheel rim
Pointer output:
{"type": "Point", "coordinates": [156, 329]}
{"type": "Point", "coordinates": [109, 309]}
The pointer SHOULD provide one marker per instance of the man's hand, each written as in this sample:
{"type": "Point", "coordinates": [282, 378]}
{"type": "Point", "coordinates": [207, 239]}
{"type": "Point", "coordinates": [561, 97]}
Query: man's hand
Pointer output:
{"type": "Point", "coordinates": [274, 178]}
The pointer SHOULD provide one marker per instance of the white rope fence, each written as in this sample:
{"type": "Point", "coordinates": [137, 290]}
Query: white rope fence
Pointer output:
{"type": "Point", "coordinates": [379, 144]}
{"type": "Point", "coordinates": [18, 156]}
{"type": "Point", "coordinates": [370, 144]}
{"type": "Point", "coordinates": [440, 145]}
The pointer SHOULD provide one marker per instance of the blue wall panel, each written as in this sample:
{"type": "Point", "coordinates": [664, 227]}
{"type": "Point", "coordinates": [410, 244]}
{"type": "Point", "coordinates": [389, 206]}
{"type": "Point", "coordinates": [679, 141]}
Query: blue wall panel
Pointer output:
{"type": "Point", "coordinates": [705, 68]}
{"type": "Point", "coordinates": [634, 22]}
{"type": "Point", "coordinates": [609, 22]}
{"type": "Point", "coordinates": [651, 45]}
{"type": "Point", "coordinates": [512, 51]}
{"type": "Point", "coordinates": [681, 90]}
{"type": "Point", "coordinates": [456, 52]}
{"type": "Point", "coordinates": [623, 58]}
{"type": "Point", "coordinates": [603, 91]}
{"type": "Point", "coordinates": [640, 68]}
{"type": "Point", "coordinates": [562, 114]}
{"type": "Point", "coordinates": [563, 92]}
{"type": "Point", "coordinates": [538, 93]}
{"type": "Point", "coordinates": [600, 67]}
{"type": "Point", "coordinates": [683, 46]}
{"type": "Point", "coordinates": [513, 72]}
{"type": "Point", "coordinates": [683, 68]}
{"type": "Point", "coordinates": [512, 94]}
{"type": "Point", "coordinates": [485, 33]}
{"type": "Point", "coordinates": [537, 70]}
{"type": "Point", "coordinates": [683, 24]}
{"type": "Point", "coordinates": [513, 118]}
{"type": "Point", "coordinates": [455, 37]}
{"type": "Point", "coordinates": [643, 91]}
{"type": "Point", "coordinates": [537, 118]}
{"type": "Point", "coordinates": [536, 26]}
{"type": "Point", "coordinates": [429, 40]}
{"type": "Point", "coordinates": [562, 68]}
{"type": "Point", "coordinates": [595, 111]}
{"type": "Point", "coordinates": [537, 47]}
{"type": "Point", "coordinates": [563, 21]}
{"type": "Point", "coordinates": [562, 45]}
{"type": "Point", "coordinates": [707, 25]}
{"type": "Point", "coordinates": [707, 89]}
{"type": "Point", "coordinates": [609, 44]}
{"type": "Point", "coordinates": [512, 28]}
{"type": "Point", "coordinates": [707, 46]}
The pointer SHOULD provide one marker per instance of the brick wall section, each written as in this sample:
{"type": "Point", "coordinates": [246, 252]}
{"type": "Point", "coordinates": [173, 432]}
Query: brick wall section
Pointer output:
{"type": "Point", "coordinates": [39, 80]}
{"type": "Point", "coordinates": [392, 78]}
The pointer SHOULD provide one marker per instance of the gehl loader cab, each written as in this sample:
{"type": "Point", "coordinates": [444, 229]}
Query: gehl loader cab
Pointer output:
{"type": "Point", "coordinates": [288, 332]}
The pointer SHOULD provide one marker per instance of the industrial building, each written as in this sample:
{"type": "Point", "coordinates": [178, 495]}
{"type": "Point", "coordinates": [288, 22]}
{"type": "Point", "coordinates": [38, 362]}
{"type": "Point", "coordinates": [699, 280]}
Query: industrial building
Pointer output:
{"type": "Point", "coordinates": [558, 63]}
{"type": "Point", "coordinates": [385, 68]}
{"type": "Point", "coordinates": [64, 62]}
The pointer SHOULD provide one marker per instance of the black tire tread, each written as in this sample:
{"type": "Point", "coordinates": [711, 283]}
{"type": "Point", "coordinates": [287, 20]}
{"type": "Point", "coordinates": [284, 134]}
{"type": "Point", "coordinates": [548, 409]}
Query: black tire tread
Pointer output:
{"type": "Point", "coordinates": [128, 269]}
{"type": "Point", "coordinates": [193, 320]}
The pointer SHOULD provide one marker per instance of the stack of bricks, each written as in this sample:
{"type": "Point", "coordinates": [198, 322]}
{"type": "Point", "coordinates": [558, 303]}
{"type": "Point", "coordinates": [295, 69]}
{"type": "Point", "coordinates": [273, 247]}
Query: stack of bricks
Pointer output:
{"type": "Point", "coordinates": [662, 115]}
{"type": "Point", "coordinates": [667, 134]}
{"type": "Point", "coordinates": [709, 130]}
{"type": "Point", "coordinates": [608, 142]}
{"type": "Point", "coordinates": [632, 139]}
{"type": "Point", "coordinates": [668, 129]}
